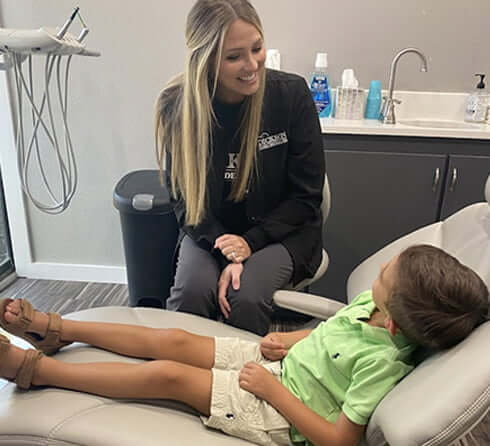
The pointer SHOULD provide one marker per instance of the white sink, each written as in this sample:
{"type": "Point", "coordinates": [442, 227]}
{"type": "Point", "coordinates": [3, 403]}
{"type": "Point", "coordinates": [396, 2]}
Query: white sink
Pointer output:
{"type": "Point", "coordinates": [439, 124]}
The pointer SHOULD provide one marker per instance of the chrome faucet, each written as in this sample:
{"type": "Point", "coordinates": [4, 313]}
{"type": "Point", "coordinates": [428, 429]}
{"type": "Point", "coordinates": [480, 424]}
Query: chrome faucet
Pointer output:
{"type": "Point", "coordinates": [387, 115]}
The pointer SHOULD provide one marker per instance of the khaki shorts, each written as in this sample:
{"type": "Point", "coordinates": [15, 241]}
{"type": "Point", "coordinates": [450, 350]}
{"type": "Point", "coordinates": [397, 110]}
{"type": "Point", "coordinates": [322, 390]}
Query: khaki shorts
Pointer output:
{"type": "Point", "coordinates": [236, 411]}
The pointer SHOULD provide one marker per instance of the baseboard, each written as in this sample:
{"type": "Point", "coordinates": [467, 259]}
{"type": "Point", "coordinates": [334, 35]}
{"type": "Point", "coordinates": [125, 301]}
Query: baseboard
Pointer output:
{"type": "Point", "coordinates": [73, 272]}
{"type": "Point", "coordinates": [4, 283]}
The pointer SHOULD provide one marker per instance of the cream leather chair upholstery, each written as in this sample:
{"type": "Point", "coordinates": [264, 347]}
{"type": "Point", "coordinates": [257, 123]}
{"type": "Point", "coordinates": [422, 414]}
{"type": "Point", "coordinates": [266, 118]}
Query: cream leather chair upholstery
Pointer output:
{"type": "Point", "coordinates": [56, 417]}
{"type": "Point", "coordinates": [438, 403]}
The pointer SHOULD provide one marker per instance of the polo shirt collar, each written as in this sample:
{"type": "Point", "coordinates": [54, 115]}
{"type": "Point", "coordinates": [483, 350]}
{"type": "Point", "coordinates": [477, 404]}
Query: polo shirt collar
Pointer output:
{"type": "Point", "coordinates": [361, 314]}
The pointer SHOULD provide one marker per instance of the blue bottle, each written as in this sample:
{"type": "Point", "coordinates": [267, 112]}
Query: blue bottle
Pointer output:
{"type": "Point", "coordinates": [319, 86]}
{"type": "Point", "coordinates": [373, 103]}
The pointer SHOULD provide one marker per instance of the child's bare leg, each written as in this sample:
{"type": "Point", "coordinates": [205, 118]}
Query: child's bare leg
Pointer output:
{"type": "Point", "coordinates": [143, 342]}
{"type": "Point", "coordinates": [152, 379]}
{"type": "Point", "coordinates": [130, 340]}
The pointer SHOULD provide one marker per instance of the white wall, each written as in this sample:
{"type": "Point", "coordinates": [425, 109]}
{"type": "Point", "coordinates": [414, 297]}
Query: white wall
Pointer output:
{"type": "Point", "coordinates": [142, 46]}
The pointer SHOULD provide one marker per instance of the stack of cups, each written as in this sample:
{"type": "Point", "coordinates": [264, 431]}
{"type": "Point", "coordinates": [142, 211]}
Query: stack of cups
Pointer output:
{"type": "Point", "coordinates": [350, 98]}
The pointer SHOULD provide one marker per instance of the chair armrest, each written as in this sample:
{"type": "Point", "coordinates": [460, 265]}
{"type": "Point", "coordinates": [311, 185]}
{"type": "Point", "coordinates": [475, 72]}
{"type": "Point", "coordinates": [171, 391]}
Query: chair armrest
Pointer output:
{"type": "Point", "coordinates": [318, 274]}
{"type": "Point", "coordinates": [320, 307]}
{"type": "Point", "coordinates": [440, 401]}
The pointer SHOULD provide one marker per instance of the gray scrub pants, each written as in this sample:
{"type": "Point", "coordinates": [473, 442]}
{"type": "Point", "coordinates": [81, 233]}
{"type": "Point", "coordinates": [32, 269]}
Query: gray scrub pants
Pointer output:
{"type": "Point", "coordinates": [195, 287]}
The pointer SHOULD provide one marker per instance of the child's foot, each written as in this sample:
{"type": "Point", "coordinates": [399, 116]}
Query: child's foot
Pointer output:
{"type": "Point", "coordinates": [17, 364]}
{"type": "Point", "coordinates": [43, 330]}
{"type": "Point", "coordinates": [39, 324]}
{"type": "Point", "coordinates": [11, 362]}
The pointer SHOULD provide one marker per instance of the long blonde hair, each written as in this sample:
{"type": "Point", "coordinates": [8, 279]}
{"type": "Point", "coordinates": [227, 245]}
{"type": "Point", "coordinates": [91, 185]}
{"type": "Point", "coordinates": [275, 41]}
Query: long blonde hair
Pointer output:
{"type": "Point", "coordinates": [184, 115]}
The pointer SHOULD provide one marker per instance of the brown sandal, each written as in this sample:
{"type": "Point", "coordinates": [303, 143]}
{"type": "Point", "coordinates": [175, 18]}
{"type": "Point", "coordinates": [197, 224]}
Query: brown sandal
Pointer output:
{"type": "Point", "coordinates": [26, 369]}
{"type": "Point", "coordinates": [50, 344]}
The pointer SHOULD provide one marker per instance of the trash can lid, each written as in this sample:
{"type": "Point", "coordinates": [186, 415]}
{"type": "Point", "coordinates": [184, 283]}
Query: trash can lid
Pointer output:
{"type": "Point", "coordinates": [141, 192]}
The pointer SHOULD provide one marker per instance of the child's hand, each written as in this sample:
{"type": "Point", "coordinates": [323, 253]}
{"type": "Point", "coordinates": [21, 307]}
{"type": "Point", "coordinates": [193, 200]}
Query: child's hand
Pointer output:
{"type": "Point", "coordinates": [272, 347]}
{"type": "Point", "coordinates": [257, 380]}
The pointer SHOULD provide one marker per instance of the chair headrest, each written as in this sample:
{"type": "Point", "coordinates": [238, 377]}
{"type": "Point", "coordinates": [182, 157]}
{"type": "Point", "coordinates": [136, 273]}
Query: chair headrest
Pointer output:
{"type": "Point", "coordinates": [487, 190]}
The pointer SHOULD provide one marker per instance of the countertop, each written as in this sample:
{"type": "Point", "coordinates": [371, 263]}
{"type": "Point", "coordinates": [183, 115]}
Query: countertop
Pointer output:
{"type": "Point", "coordinates": [373, 127]}
{"type": "Point", "coordinates": [448, 107]}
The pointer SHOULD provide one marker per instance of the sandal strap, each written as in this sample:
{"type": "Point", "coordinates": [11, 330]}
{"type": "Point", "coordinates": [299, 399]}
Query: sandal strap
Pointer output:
{"type": "Point", "coordinates": [53, 333]}
{"type": "Point", "coordinates": [27, 368]}
{"type": "Point", "coordinates": [4, 346]}
{"type": "Point", "coordinates": [50, 343]}
{"type": "Point", "coordinates": [27, 315]}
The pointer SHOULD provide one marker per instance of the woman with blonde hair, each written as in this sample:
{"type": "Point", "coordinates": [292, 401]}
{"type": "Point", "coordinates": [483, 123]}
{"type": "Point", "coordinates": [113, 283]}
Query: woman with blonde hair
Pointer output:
{"type": "Point", "coordinates": [241, 147]}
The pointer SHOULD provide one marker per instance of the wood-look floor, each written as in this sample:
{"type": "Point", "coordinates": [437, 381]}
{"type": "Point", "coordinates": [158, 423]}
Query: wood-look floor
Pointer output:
{"type": "Point", "coordinates": [67, 297]}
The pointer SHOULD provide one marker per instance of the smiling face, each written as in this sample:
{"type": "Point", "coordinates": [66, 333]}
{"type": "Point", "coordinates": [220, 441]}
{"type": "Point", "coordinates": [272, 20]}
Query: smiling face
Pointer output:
{"type": "Point", "coordinates": [242, 62]}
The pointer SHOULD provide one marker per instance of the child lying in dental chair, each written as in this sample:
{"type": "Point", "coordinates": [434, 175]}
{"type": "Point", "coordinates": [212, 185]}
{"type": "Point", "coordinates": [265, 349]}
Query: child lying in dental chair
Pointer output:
{"type": "Point", "coordinates": [318, 387]}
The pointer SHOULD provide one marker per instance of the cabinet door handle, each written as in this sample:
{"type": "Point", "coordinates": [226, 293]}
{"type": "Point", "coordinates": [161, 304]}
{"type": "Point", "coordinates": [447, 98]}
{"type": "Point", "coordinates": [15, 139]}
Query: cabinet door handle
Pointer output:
{"type": "Point", "coordinates": [437, 177]}
{"type": "Point", "coordinates": [454, 178]}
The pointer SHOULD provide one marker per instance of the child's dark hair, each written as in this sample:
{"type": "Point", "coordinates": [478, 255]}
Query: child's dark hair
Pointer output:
{"type": "Point", "coordinates": [436, 301]}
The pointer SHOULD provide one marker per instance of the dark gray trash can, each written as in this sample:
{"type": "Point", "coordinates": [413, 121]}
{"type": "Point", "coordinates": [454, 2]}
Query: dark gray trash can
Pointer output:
{"type": "Point", "coordinates": [150, 232]}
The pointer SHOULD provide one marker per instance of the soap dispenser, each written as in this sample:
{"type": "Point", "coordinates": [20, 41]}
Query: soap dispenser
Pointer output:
{"type": "Point", "coordinates": [477, 103]}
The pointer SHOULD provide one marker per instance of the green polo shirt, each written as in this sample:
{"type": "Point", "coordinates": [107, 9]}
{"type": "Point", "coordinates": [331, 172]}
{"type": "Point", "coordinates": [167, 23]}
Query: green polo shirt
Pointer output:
{"type": "Point", "coordinates": [346, 365]}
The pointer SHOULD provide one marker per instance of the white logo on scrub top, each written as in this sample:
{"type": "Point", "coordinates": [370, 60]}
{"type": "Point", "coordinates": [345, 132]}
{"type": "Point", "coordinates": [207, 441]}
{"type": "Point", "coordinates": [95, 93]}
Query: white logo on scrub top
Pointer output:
{"type": "Point", "coordinates": [232, 167]}
{"type": "Point", "coordinates": [267, 141]}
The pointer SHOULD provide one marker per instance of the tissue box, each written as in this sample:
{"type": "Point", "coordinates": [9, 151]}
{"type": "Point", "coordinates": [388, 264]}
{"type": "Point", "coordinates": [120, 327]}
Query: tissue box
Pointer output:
{"type": "Point", "coordinates": [350, 103]}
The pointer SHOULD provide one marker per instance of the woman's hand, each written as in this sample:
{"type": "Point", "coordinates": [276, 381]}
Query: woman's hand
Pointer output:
{"type": "Point", "coordinates": [233, 247]}
{"type": "Point", "coordinates": [231, 274]}
{"type": "Point", "coordinates": [273, 347]}
{"type": "Point", "coordinates": [257, 380]}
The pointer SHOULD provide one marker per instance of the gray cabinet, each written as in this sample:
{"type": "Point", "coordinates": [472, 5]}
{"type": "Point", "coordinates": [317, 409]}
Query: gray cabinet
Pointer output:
{"type": "Point", "coordinates": [465, 182]}
{"type": "Point", "coordinates": [375, 198]}
{"type": "Point", "coordinates": [385, 187]}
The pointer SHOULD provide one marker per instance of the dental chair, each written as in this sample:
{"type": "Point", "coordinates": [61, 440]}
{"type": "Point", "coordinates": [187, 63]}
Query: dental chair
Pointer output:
{"type": "Point", "coordinates": [446, 395]}
{"type": "Point", "coordinates": [439, 403]}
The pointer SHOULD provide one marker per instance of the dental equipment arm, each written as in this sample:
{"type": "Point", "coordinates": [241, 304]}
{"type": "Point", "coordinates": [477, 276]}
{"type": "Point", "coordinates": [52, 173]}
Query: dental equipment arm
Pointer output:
{"type": "Point", "coordinates": [17, 46]}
